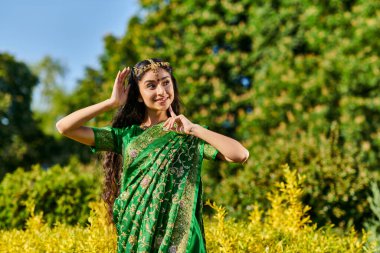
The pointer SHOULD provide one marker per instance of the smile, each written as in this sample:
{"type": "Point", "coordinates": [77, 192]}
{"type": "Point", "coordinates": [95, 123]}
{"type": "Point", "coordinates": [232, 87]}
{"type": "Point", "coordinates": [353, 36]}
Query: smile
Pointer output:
{"type": "Point", "coordinates": [161, 100]}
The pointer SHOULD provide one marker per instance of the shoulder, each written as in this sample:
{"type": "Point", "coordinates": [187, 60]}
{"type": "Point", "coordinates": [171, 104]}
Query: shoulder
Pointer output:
{"type": "Point", "coordinates": [118, 131]}
{"type": "Point", "coordinates": [127, 130]}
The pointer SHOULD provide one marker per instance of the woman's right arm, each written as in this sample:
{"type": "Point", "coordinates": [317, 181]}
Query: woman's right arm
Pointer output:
{"type": "Point", "coordinates": [72, 127]}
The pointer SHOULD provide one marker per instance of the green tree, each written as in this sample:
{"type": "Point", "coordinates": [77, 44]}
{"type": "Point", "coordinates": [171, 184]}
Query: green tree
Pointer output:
{"type": "Point", "coordinates": [49, 93]}
{"type": "Point", "coordinates": [23, 143]}
{"type": "Point", "coordinates": [20, 137]}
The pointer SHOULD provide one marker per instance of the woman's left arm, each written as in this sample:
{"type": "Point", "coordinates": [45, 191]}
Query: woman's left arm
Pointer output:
{"type": "Point", "coordinates": [229, 149]}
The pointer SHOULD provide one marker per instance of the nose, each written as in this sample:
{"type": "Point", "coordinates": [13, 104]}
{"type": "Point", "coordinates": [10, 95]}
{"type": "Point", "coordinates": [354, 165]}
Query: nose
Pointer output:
{"type": "Point", "coordinates": [160, 90]}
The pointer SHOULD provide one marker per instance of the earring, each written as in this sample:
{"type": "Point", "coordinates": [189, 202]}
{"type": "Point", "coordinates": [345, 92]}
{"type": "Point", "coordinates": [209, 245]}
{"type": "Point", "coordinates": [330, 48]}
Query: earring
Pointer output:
{"type": "Point", "coordinates": [140, 100]}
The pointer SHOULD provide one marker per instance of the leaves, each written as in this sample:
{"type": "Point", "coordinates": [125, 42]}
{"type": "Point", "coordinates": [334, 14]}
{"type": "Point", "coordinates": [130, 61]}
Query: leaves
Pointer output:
{"type": "Point", "coordinates": [61, 193]}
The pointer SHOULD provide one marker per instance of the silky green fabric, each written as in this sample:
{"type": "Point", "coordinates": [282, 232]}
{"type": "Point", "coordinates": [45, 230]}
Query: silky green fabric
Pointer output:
{"type": "Point", "coordinates": [159, 208]}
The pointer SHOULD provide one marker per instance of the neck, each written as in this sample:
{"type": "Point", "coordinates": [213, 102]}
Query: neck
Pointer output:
{"type": "Point", "coordinates": [154, 117]}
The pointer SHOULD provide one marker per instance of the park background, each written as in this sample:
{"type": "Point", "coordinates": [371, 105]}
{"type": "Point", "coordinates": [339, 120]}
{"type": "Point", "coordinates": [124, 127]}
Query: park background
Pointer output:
{"type": "Point", "coordinates": [297, 82]}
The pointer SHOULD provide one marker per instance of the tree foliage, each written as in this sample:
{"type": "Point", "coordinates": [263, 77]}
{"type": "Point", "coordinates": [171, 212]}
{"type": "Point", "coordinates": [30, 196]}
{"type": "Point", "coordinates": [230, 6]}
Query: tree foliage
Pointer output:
{"type": "Point", "coordinates": [49, 93]}
{"type": "Point", "coordinates": [27, 137]}
{"type": "Point", "coordinates": [21, 140]}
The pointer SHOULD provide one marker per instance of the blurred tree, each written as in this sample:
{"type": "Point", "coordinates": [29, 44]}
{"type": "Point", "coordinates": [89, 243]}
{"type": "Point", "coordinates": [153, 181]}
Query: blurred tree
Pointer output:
{"type": "Point", "coordinates": [20, 138]}
{"type": "Point", "coordinates": [22, 141]}
{"type": "Point", "coordinates": [55, 102]}
{"type": "Point", "coordinates": [49, 70]}
{"type": "Point", "coordinates": [49, 93]}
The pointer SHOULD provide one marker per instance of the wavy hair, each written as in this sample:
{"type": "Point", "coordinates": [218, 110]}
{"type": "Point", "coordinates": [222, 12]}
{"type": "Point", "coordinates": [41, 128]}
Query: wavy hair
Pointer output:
{"type": "Point", "coordinates": [132, 113]}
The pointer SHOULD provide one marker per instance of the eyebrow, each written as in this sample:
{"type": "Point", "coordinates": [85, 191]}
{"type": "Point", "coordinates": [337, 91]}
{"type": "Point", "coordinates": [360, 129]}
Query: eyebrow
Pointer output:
{"type": "Point", "coordinates": [155, 80]}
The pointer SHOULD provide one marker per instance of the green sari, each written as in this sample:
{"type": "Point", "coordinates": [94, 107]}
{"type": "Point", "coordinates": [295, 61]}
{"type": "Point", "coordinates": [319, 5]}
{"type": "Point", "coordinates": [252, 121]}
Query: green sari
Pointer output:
{"type": "Point", "coordinates": [159, 208]}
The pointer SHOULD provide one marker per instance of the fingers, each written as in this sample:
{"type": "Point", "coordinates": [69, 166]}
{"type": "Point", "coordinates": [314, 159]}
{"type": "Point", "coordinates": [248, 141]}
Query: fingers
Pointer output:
{"type": "Point", "coordinates": [117, 78]}
{"type": "Point", "coordinates": [168, 125]}
{"type": "Point", "coordinates": [124, 78]}
{"type": "Point", "coordinates": [171, 111]}
{"type": "Point", "coordinates": [124, 73]}
{"type": "Point", "coordinates": [171, 123]}
{"type": "Point", "coordinates": [174, 121]}
{"type": "Point", "coordinates": [165, 125]}
{"type": "Point", "coordinates": [121, 76]}
{"type": "Point", "coordinates": [126, 88]}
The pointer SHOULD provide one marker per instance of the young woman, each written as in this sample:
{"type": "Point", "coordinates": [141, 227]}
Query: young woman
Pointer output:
{"type": "Point", "coordinates": [152, 168]}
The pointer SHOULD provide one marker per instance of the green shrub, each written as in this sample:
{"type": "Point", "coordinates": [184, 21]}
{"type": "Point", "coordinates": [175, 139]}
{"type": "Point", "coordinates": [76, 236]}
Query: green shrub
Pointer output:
{"type": "Point", "coordinates": [61, 193]}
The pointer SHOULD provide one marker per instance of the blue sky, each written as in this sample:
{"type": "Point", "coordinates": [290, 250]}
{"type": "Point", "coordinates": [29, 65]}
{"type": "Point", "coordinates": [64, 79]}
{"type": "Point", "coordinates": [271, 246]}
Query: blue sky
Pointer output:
{"type": "Point", "coordinates": [71, 31]}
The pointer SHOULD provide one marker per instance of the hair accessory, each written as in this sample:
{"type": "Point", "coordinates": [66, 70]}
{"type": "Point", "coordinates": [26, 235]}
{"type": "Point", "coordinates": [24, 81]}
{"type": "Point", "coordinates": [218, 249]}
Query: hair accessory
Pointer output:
{"type": "Point", "coordinates": [154, 66]}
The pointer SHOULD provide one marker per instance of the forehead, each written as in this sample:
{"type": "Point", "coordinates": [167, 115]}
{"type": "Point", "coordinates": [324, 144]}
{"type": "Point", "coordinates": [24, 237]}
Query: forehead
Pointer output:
{"type": "Point", "coordinates": [150, 75]}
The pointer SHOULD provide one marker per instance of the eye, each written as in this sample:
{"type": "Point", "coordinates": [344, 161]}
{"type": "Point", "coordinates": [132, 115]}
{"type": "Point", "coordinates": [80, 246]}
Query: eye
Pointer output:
{"type": "Point", "coordinates": [167, 83]}
{"type": "Point", "coordinates": [150, 85]}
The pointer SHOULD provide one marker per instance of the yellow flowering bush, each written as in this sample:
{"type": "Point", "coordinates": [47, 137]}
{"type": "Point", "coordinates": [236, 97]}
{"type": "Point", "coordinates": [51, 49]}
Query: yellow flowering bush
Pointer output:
{"type": "Point", "coordinates": [39, 237]}
{"type": "Point", "coordinates": [285, 227]}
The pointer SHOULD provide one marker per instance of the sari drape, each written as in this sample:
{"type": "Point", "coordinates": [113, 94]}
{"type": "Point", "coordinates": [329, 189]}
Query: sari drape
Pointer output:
{"type": "Point", "coordinates": [159, 208]}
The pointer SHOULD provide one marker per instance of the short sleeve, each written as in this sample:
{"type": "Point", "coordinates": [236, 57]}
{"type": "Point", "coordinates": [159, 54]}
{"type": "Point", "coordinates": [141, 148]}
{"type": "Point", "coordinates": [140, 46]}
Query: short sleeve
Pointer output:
{"type": "Point", "coordinates": [107, 139]}
{"type": "Point", "coordinates": [209, 152]}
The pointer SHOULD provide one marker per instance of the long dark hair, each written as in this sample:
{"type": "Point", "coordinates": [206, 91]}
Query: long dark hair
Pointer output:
{"type": "Point", "coordinates": [132, 113]}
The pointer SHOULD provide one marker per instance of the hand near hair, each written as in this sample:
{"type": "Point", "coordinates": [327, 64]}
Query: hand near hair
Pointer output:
{"type": "Point", "coordinates": [178, 123]}
{"type": "Point", "coordinates": [120, 91]}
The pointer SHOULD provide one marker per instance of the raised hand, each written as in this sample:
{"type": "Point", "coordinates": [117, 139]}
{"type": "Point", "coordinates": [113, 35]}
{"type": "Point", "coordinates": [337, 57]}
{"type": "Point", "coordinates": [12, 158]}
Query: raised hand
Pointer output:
{"type": "Point", "coordinates": [178, 123]}
{"type": "Point", "coordinates": [120, 91]}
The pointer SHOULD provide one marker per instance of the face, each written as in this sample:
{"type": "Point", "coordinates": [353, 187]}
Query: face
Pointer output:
{"type": "Point", "coordinates": [156, 90]}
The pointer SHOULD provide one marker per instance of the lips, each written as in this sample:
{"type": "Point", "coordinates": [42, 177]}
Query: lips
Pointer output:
{"type": "Point", "coordinates": [161, 100]}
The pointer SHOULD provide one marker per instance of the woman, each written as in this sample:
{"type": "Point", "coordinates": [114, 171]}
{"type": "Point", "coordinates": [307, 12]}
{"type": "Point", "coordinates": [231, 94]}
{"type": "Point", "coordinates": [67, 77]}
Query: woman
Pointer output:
{"type": "Point", "coordinates": [152, 168]}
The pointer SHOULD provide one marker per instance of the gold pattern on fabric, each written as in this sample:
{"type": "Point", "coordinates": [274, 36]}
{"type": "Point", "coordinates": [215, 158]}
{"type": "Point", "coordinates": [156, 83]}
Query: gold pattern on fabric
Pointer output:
{"type": "Point", "coordinates": [209, 152]}
{"type": "Point", "coordinates": [107, 139]}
